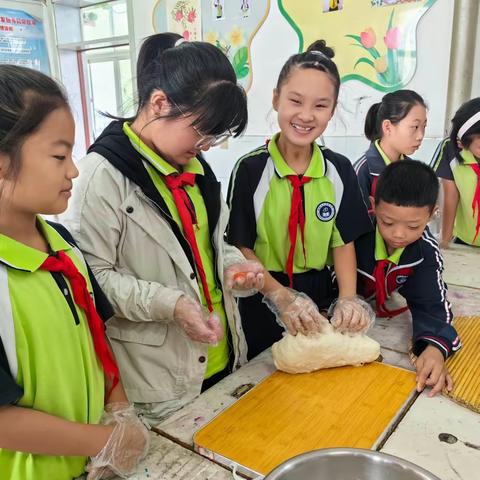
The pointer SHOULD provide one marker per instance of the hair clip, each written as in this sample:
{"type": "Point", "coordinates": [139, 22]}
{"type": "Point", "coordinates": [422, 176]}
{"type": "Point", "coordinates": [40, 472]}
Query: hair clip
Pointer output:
{"type": "Point", "coordinates": [179, 42]}
{"type": "Point", "coordinates": [468, 124]}
{"type": "Point", "coordinates": [318, 52]}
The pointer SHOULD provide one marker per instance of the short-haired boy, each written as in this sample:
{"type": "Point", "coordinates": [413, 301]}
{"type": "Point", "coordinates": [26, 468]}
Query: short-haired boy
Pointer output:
{"type": "Point", "coordinates": [402, 255]}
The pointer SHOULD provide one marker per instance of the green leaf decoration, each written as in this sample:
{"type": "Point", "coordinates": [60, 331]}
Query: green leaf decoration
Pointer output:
{"type": "Point", "coordinates": [243, 72]}
{"type": "Point", "coordinates": [240, 59]}
{"type": "Point", "coordinates": [355, 37]}
{"type": "Point", "coordinates": [364, 60]}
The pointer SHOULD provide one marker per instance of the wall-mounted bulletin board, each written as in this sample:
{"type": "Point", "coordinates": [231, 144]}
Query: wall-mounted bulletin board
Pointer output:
{"type": "Point", "coordinates": [374, 40]}
{"type": "Point", "coordinates": [229, 24]}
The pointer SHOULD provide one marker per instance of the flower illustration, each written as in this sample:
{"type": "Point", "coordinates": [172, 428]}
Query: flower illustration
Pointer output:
{"type": "Point", "coordinates": [178, 15]}
{"type": "Point", "coordinates": [186, 35]}
{"type": "Point", "coordinates": [236, 37]}
{"type": "Point", "coordinates": [368, 38]}
{"type": "Point", "coordinates": [386, 64]}
{"type": "Point", "coordinates": [211, 37]}
{"type": "Point", "coordinates": [380, 64]}
{"type": "Point", "coordinates": [392, 38]}
{"type": "Point", "coordinates": [192, 15]}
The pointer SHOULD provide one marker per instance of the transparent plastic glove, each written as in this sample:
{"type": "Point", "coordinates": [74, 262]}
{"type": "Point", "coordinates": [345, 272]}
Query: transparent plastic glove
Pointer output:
{"type": "Point", "coordinates": [197, 322]}
{"type": "Point", "coordinates": [352, 315]}
{"type": "Point", "coordinates": [244, 279]}
{"type": "Point", "coordinates": [295, 311]}
{"type": "Point", "coordinates": [126, 447]}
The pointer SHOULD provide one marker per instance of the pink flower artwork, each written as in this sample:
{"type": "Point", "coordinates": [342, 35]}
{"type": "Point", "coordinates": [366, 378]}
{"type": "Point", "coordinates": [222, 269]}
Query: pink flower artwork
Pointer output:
{"type": "Point", "coordinates": [192, 15]}
{"type": "Point", "coordinates": [368, 38]}
{"type": "Point", "coordinates": [178, 15]}
{"type": "Point", "coordinates": [392, 38]}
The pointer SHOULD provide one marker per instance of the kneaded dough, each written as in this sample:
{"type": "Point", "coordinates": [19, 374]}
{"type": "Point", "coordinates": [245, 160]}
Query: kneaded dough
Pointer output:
{"type": "Point", "coordinates": [306, 353]}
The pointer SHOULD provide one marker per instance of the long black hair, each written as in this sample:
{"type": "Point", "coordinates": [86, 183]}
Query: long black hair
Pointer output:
{"type": "Point", "coordinates": [27, 97]}
{"type": "Point", "coordinates": [395, 106]}
{"type": "Point", "coordinates": [197, 78]}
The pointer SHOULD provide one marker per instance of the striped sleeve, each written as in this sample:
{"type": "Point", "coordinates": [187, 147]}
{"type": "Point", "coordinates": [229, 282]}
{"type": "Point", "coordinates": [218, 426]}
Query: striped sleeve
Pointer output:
{"type": "Point", "coordinates": [364, 179]}
{"type": "Point", "coordinates": [442, 158]}
{"type": "Point", "coordinates": [352, 218]}
{"type": "Point", "coordinates": [242, 225]}
{"type": "Point", "coordinates": [426, 295]}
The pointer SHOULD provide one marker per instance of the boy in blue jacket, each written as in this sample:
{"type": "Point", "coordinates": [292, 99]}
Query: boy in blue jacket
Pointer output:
{"type": "Point", "coordinates": [402, 255]}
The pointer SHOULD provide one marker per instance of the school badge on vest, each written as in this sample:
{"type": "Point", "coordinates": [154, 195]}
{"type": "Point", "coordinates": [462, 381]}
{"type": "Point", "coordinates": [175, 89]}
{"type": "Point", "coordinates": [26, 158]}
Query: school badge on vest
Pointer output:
{"type": "Point", "coordinates": [325, 211]}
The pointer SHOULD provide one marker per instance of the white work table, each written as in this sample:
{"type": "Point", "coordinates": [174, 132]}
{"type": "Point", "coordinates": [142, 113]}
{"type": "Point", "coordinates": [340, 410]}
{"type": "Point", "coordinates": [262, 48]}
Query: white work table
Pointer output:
{"type": "Point", "coordinates": [415, 438]}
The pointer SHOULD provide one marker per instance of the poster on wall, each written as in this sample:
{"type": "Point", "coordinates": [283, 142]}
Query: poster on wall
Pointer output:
{"type": "Point", "coordinates": [230, 25]}
{"type": "Point", "coordinates": [184, 17]}
{"type": "Point", "coordinates": [22, 40]}
{"type": "Point", "coordinates": [234, 31]}
{"type": "Point", "coordinates": [376, 46]}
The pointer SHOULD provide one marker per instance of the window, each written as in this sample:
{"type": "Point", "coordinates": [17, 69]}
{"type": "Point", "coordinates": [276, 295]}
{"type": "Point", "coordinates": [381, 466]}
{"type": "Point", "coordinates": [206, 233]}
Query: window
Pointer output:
{"type": "Point", "coordinates": [110, 86]}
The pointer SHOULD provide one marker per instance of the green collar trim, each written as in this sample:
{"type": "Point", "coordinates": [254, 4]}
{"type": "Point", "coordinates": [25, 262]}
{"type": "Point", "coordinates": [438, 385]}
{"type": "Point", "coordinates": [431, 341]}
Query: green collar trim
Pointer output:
{"type": "Point", "coordinates": [382, 153]}
{"type": "Point", "coordinates": [23, 257]}
{"type": "Point", "coordinates": [381, 252]}
{"type": "Point", "coordinates": [468, 157]}
{"type": "Point", "coordinates": [161, 165]}
{"type": "Point", "coordinates": [316, 168]}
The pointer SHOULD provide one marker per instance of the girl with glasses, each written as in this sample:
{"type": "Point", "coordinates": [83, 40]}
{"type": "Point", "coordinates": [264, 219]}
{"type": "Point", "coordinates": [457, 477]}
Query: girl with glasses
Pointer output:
{"type": "Point", "coordinates": [149, 217]}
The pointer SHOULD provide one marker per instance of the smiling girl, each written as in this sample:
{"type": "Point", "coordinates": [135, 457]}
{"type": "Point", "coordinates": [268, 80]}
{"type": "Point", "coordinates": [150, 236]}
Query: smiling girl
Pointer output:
{"type": "Point", "coordinates": [297, 208]}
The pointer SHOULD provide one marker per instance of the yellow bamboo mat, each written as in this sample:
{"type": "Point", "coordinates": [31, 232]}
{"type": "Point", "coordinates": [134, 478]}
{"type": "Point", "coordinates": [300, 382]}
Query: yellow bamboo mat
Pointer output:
{"type": "Point", "coordinates": [290, 414]}
{"type": "Point", "coordinates": [464, 366]}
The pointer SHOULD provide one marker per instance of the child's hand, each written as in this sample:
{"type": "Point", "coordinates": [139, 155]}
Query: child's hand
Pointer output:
{"type": "Point", "coordinates": [295, 311]}
{"type": "Point", "coordinates": [195, 320]}
{"type": "Point", "coordinates": [353, 315]}
{"type": "Point", "coordinates": [126, 447]}
{"type": "Point", "coordinates": [244, 279]}
{"type": "Point", "coordinates": [444, 244]}
{"type": "Point", "coordinates": [432, 372]}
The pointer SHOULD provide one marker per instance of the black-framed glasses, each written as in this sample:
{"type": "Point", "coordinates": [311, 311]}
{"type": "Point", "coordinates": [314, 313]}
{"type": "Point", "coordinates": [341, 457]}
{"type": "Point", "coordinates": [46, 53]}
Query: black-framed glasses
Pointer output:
{"type": "Point", "coordinates": [206, 141]}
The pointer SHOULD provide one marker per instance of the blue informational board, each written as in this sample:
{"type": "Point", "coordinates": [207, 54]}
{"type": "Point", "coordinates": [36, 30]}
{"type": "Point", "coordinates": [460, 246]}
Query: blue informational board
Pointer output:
{"type": "Point", "coordinates": [22, 40]}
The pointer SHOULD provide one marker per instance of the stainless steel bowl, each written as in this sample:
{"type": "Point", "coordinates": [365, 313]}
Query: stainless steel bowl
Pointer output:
{"type": "Point", "coordinates": [348, 464]}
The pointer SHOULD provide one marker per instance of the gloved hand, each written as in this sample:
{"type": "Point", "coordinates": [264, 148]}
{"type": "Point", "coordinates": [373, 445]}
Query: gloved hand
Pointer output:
{"type": "Point", "coordinates": [295, 311]}
{"type": "Point", "coordinates": [352, 315]}
{"type": "Point", "coordinates": [126, 447]}
{"type": "Point", "coordinates": [197, 322]}
{"type": "Point", "coordinates": [244, 279]}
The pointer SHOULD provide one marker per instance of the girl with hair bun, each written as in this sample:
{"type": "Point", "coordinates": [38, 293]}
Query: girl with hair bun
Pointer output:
{"type": "Point", "coordinates": [296, 207]}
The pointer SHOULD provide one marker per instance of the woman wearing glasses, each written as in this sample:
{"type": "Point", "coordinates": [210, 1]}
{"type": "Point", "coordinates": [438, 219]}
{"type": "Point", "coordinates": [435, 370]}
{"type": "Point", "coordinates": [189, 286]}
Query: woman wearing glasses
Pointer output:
{"type": "Point", "coordinates": [148, 214]}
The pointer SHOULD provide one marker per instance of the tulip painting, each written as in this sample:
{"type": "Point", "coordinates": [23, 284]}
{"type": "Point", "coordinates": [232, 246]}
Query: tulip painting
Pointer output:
{"type": "Point", "coordinates": [385, 64]}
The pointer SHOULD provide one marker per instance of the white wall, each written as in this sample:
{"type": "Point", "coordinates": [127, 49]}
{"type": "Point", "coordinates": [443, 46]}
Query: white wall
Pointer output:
{"type": "Point", "coordinates": [476, 59]}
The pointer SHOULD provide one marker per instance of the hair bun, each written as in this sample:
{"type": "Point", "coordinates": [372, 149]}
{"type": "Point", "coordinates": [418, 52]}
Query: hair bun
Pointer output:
{"type": "Point", "coordinates": [321, 46]}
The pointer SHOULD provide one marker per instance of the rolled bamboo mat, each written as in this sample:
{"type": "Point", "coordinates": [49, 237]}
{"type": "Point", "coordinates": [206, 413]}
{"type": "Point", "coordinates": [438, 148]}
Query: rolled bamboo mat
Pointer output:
{"type": "Point", "coordinates": [464, 366]}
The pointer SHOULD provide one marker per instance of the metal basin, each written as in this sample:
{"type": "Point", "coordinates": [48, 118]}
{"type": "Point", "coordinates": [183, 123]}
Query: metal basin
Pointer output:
{"type": "Point", "coordinates": [348, 464]}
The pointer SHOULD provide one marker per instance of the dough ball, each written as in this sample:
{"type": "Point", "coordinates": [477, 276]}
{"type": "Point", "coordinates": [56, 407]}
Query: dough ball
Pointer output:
{"type": "Point", "coordinates": [306, 353]}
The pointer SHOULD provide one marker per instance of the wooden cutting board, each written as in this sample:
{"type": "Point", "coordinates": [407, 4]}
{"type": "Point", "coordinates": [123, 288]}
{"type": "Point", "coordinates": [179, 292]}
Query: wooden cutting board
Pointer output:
{"type": "Point", "coordinates": [286, 415]}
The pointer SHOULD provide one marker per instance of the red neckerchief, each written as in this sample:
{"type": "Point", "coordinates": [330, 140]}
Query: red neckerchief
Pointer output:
{"type": "Point", "coordinates": [296, 219]}
{"type": "Point", "coordinates": [63, 264]}
{"type": "Point", "coordinates": [176, 183]}
{"type": "Point", "coordinates": [381, 291]}
{"type": "Point", "coordinates": [476, 199]}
